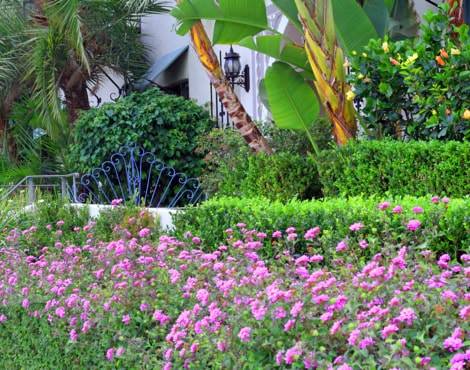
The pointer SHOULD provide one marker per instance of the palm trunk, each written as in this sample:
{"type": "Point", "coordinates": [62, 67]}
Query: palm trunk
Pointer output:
{"type": "Point", "coordinates": [241, 119]}
{"type": "Point", "coordinates": [327, 61]}
{"type": "Point", "coordinates": [76, 100]}
{"type": "Point", "coordinates": [73, 83]}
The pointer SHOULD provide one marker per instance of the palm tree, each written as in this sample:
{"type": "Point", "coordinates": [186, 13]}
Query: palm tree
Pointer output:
{"type": "Point", "coordinates": [68, 43]}
{"type": "Point", "coordinates": [241, 119]}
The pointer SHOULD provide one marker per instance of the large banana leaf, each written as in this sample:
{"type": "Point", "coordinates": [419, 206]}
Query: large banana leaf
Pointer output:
{"type": "Point", "coordinates": [289, 9]}
{"type": "Point", "coordinates": [234, 20]}
{"type": "Point", "coordinates": [404, 20]}
{"type": "Point", "coordinates": [276, 46]}
{"type": "Point", "coordinates": [378, 13]}
{"type": "Point", "coordinates": [292, 100]}
{"type": "Point", "coordinates": [353, 27]}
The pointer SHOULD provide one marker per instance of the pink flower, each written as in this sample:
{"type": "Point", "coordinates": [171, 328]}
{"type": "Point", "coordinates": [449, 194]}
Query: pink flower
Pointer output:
{"type": "Point", "coordinates": [413, 225]}
{"type": "Point", "coordinates": [194, 347]}
{"type": "Point", "coordinates": [345, 367]}
{"type": "Point", "coordinates": [202, 296]}
{"type": "Point", "coordinates": [291, 236]}
{"type": "Point", "coordinates": [120, 351]}
{"type": "Point", "coordinates": [245, 334]}
{"type": "Point", "coordinates": [384, 205]}
{"type": "Point", "coordinates": [449, 295]}
{"type": "Point", "coordinates": [316, 258]}
{"type": "Point", "coordinates": [336, 327]}
{"type": "Point", "coordinates": [389, 330]}
{"type": "Point", "coordinates": [341, 246]}
{"type": "Point", "coordinates": [126, 319]}
{"type": "Point", "coordinates": [453, 344]}
{"type": "Point", "coordinates": [292, 354]}
{"type": "Point", "coordinates": [407, 315]}
{"type": "Point", "coordinates": [312, 233]}
{"type": "Point", "coordinates": [196, 240]}
{"type": "Point", "coordinates": [366, 342]}
{"type": "Point", "coordinates": [25, 303]}
{"type": "Point", "coordinates": [295, 310]}
{"type": "Point", "coordinates": [110, 354]}
{"type": "Point", "coordinates": [465, 313]}
{"type": "Point", "coordinates": [277, 234]}
{"type": "Point", "coordinates": [3, 318]}
{"type": "Point", "coordinates": [116, 202]}
{"type": "Point", "coordinates": [290, 230]}
{"type": "Point", "coordinates": [363, 244]}
{"type": "Point", "coordinates": [445, 200]}
{"type": "Point", "coordinates": [145, 232]}
{"type": "Point", "coordinates": [435, 199]}
{"type": "Point", "coordinates": [289, 325]}
{"type": "Point", "coordinates": [73, 335]}
{"type": "Point", "coordinates": [222, 346]}
{"type": "Point", "coordinates": [418, 209]}
{"type": "Point", "coordinates": [60, 312]}
{"type": "Point", "coordinates": [356, 226]}
{"type": "Point", "coordinates": [161, 317]}
{"type": "Point", "coordinates": [397, 210]}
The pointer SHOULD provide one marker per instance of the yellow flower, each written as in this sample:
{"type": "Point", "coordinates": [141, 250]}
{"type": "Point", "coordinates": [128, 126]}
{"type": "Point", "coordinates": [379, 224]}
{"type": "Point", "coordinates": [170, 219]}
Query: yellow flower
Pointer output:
{"type": "Point", "coordinates": [364, 55]}
{"type": "Point", "coordinates": [434, 112]}
{"type": "Point", "coordinates": [455, 51]}
{"type": "Point", "coordinates": [360, 76]}
{"type": "Point", "coordinates": [354, 52]}
{"type": "Point", "coordinates": [466, 114]}
{"type": "Point", "coordinates": [385, 47]}
{"type": "Point", "coordinates": [350, 95]}
{"type": "Point", "coordinates": [411, 59]}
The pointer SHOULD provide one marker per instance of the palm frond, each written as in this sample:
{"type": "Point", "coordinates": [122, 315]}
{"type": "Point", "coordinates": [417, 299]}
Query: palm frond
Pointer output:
{"type": "Point", "coordinates": [65, 16]}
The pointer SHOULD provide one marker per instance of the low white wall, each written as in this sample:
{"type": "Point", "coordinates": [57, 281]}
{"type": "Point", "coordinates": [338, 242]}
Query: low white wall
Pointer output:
{"type": "Point", "coordinates": [163, 214]}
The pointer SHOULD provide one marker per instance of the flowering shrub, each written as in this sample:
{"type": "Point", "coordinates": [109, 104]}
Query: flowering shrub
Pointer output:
{"type": "Point", "coordinates": [131, 303]}
{"type": "Point", "coordinates": [416, 88]}
{"type": "Point", "coordinates": [443, 224]}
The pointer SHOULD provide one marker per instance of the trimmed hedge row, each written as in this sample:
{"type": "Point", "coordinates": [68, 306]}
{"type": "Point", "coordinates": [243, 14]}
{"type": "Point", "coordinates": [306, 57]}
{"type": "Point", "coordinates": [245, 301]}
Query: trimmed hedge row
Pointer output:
{"type": "Point", "coordinates": [281, 176]}
{"type": "Point", "coordinates": [444, 227]}
{"type": "Point", "coordinates": [396, 168]}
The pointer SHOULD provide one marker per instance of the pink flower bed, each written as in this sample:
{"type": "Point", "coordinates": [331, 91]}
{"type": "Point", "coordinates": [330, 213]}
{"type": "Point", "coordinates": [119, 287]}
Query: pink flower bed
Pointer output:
{"type": "Point", "coordinates": [401, 309]}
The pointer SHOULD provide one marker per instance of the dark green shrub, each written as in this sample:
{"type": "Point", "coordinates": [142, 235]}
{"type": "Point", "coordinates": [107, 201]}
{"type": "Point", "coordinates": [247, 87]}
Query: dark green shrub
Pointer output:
{"type": "Point", "coordinates": [166, 125]}
{"type": "Point", "coordinates": [233, 170]}
{"type": "Point", "coordinates": [445, 228]}
{"type": "Point", "coordinates": [396, 168]}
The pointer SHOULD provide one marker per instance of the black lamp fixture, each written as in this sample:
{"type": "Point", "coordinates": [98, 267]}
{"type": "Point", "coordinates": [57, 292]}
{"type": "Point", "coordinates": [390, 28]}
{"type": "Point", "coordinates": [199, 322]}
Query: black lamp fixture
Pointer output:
{"type": "Point", "coordinates": [232, 68]}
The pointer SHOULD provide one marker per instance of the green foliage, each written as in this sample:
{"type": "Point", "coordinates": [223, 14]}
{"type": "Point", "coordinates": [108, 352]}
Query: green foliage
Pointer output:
{"type": "Point", "coordinates": [166, 125]}
{"type": "Point", "coordinates": [445, 228]}
{"type": "Point", "coordinates": [231, 169]}
{"type": "Point", "coordinates": [416, 88]}
{"type": "Point", "coordinates": [396, 168]}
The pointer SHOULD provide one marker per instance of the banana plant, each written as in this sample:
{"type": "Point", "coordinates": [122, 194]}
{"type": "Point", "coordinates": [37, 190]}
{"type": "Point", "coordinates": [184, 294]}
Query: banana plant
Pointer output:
{"type": "Point", "coordinates": [328, 30]}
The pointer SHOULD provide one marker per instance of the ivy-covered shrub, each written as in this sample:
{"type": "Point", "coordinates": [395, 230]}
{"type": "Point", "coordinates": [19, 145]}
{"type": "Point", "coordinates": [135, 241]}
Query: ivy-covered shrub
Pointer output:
{"type": "Point", "coordinates": [166, 125]}
{"type": "Point", "coordinates": [444, 225]}
{"type": "Point", "coordinates": [416, 88]}
{"type": "Point", "coordinates": [396, 168]}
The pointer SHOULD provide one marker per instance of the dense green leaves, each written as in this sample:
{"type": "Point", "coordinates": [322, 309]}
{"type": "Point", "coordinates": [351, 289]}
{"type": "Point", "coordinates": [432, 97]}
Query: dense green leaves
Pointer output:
{"type": "Point", "coordinates": [333, 216]}
{"type": "Point", "coordinates": [397, 168]}
{"type": "Point", "coordinates": [164, 124]}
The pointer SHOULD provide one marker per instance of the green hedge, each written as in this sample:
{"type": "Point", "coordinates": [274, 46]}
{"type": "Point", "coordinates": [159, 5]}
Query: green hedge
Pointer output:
{"type": "Point", "coordinates": [281, 176]}
{"type": "Point", "coordinates": [444, 228]}
{"type": "Point", "coordinates": [396, 168]}
{"type": "Point", "coordinates": [166, 125]}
